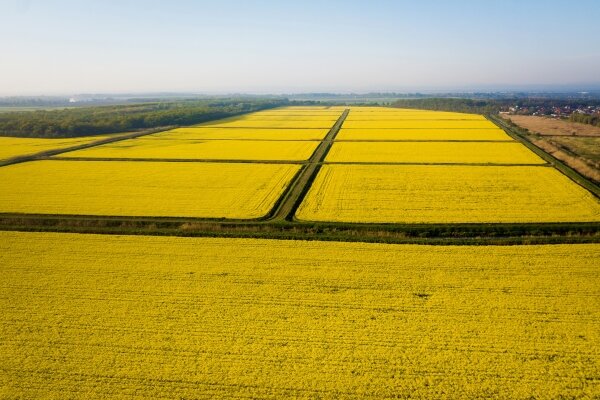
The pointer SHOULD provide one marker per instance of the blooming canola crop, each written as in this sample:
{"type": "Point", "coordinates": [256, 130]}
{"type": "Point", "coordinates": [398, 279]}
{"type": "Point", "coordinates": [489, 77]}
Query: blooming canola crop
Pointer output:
{"type": "Point", "coordinates": [92, 316]}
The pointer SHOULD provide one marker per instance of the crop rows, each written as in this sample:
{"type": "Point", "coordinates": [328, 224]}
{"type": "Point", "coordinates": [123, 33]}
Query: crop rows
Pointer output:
{"type": "Point", "coordinates": [398, 134]}
{"type": "Point", "coordinates": [146, 176]}
{"type": "Point", "coordinates": [161, 189]}
{"type": "Point", "coordinates": [201, 149]}
{"type": "Point", "coordinates": [14, 147]}
{"type": "Point", "coordinates": [433, 152]}
{"type": "Point", "coordinates": [446, 194]}
{"type": "Point", "coordinates": [250, 318]}
{"type": "Point", "coordinates": [451, 168]}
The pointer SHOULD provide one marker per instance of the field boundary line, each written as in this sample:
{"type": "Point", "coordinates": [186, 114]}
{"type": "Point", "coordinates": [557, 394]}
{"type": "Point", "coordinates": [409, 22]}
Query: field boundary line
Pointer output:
{"type": "Point", "coordinates": [198, 160]}
{"type": "Point", "coordinates": [441, 129]}
{"type": "Point", "coordinates": [400, 163]}
{"type": "Point", "coordinates": [255, 127]}
{"type": "Point", "coordinates": [428, 234]}
{"type": "Point", "coordinates": [416, 119]}
{"type": "Point", "coordinates": [511, 140]}
{"type": "Point", "coordinates": [243, 140]}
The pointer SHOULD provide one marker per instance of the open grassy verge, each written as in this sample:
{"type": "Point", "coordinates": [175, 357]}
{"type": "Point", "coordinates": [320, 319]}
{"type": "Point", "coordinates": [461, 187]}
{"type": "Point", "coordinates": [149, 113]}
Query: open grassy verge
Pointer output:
{"type": "Point", "coordinates": [483, 234]}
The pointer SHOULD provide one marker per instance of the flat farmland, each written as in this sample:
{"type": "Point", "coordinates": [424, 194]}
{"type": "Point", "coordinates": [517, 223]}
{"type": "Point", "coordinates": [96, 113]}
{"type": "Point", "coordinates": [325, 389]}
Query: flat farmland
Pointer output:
{"type": "Point", "coordinates": [248, 318]}
{"type": "Point", "coordinates": [159, 148]}
{"type": "Point", "coordinates": [301, 114]}
{"type": "Point", "coordinates": [15, 146]}
{"type": "Point", "coordinates": [294, 117]}
{"type": "Point", "coordinates": [382, 110]}
{"type": "Point", "coordinates": [446, 194]}
{"type": "Point", "coordinates": [230, 316]}
{"type": "Point", "coordinates": [240, 122]}
{"type": "Point", "coordinates": [307, 109]}
{"type": "Point", "coordinates": [130, 188]}
{"type": "Point", "coordinates": [423, 134]}
{"type": "Point", "coordinates": [360, 111]}
{"type": "Point", "coordinates": [418, 124]}
{"type": "Point", "coordinates": [242, 134]}
{"type": "Point", "coordinates": [552, 126]}
{"type": "Point", "coordinates": [433, 152]}
{"type": "Point", "coordinates": [586, 147]}
{"type": "Point", "coordinates": [421, 116]}
{"type": "Point", "coordinates": [285, 118]}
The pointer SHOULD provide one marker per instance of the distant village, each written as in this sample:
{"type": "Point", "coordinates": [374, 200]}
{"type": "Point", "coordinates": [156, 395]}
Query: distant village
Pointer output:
{"type": "Point", "coordinates": [555, 111]}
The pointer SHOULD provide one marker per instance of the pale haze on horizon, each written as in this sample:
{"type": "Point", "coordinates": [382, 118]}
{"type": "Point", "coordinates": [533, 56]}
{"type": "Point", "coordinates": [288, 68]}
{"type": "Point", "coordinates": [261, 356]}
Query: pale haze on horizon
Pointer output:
{"type": "Point", "coordinates": [61, 47]}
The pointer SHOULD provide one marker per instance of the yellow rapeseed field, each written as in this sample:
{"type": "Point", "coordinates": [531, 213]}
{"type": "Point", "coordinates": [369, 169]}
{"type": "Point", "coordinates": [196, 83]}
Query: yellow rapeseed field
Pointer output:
{"type": "Point", "coordinates": [149, 147]}
{"type": "Point", "coordinates": [422, 134]}
{"type": "Point", "coordinates": [292, 117]}
{"type": "Point", "coordinates": [299, 113]}
{"type": "Point", "coordinates": [130, 188]}
{"type": "Point", "coordinates": [379, 110]}
{"type": "Point", "coordinates": [13, 147]}
{"type": "Point", "coordinates": [431, 115]}
{"type": "Point", "coordinates": [240, 122]}
{"type": "Point", "coordinates": [446, 194]}
{"type": "Point", "coordinates": [310, 109]}
{"type": "Point", "coordinates": [418, 124]}
{"type": "Point", "coordinates": [90, 316]}
{"type": "Point", "coordinates": [433, 152]}
{"type": "Point", "coordinates": [192, 133]}
{"type": "Point", "coordinates": [366, 111]}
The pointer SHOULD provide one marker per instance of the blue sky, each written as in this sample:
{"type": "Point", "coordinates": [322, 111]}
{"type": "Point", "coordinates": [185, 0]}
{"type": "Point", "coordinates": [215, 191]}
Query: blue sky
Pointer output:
{"type": "Point", "coordinates": [62, 47]}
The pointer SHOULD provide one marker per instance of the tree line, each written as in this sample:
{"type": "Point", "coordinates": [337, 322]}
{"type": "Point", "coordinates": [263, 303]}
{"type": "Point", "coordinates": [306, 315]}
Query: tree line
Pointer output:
{"type": "Point", "coordinates": [585, 119]}
{"type": "Point", "coordinates": [86, 121]}
{"type": "Point", "coordinates": [450, 104]}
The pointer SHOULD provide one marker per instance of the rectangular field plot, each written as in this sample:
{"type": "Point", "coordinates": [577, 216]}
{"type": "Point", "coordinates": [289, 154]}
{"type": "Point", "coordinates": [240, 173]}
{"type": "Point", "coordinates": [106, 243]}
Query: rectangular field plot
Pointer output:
{"type": "Point", "coordinates": [422, 134]}
{"type": "Point", "coordinates": [446, 194]}
{"type": "Point", "coordinates": [292, 117]}
{"type": "Point", "coordinates": [418, 124]}
{"type": "Point", "coordinates": [91, 316]}
{"type": "Point", "coordinates": [414, 117]}
{"type": "Point", "coordinates": [360, 110]}
{"type": "Point", "coordinates": [161, 189]}
{"type": "Point", "coordinates": [368, 109]}
{"type": "Point", "coordinates": [242, 134]}
{"type": "Point", "coordinates": [433, 152]}
{"type": "Point", "coordinates": [254, 123]}
{"type": "Point", "coordinates": [299, 114]}
{"type": "Point", "coordinates": [320, 109]}
{"type": "Point", "coordinates": [148, 148]}
{"type": "Point", "coordinates": [14, 147]}
{"type": "Point", "coordinates": [433, 116]}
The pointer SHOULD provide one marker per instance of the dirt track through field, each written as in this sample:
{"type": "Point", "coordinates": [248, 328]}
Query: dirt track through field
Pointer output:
{"type": "Point", "coordinates": [298, 188]}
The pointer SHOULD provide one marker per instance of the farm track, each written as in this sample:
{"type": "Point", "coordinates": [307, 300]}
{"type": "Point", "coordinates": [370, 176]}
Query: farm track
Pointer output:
{"type": "Point", "coordinates": [434, 234]}
{"type": "Point", "coordinates": [291, 199]}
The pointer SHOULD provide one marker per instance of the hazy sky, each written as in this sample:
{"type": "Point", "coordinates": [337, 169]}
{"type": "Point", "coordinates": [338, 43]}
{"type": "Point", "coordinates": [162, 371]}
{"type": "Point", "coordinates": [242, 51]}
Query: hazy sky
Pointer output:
{"type": "Point", "coordinates": [62, 47]}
